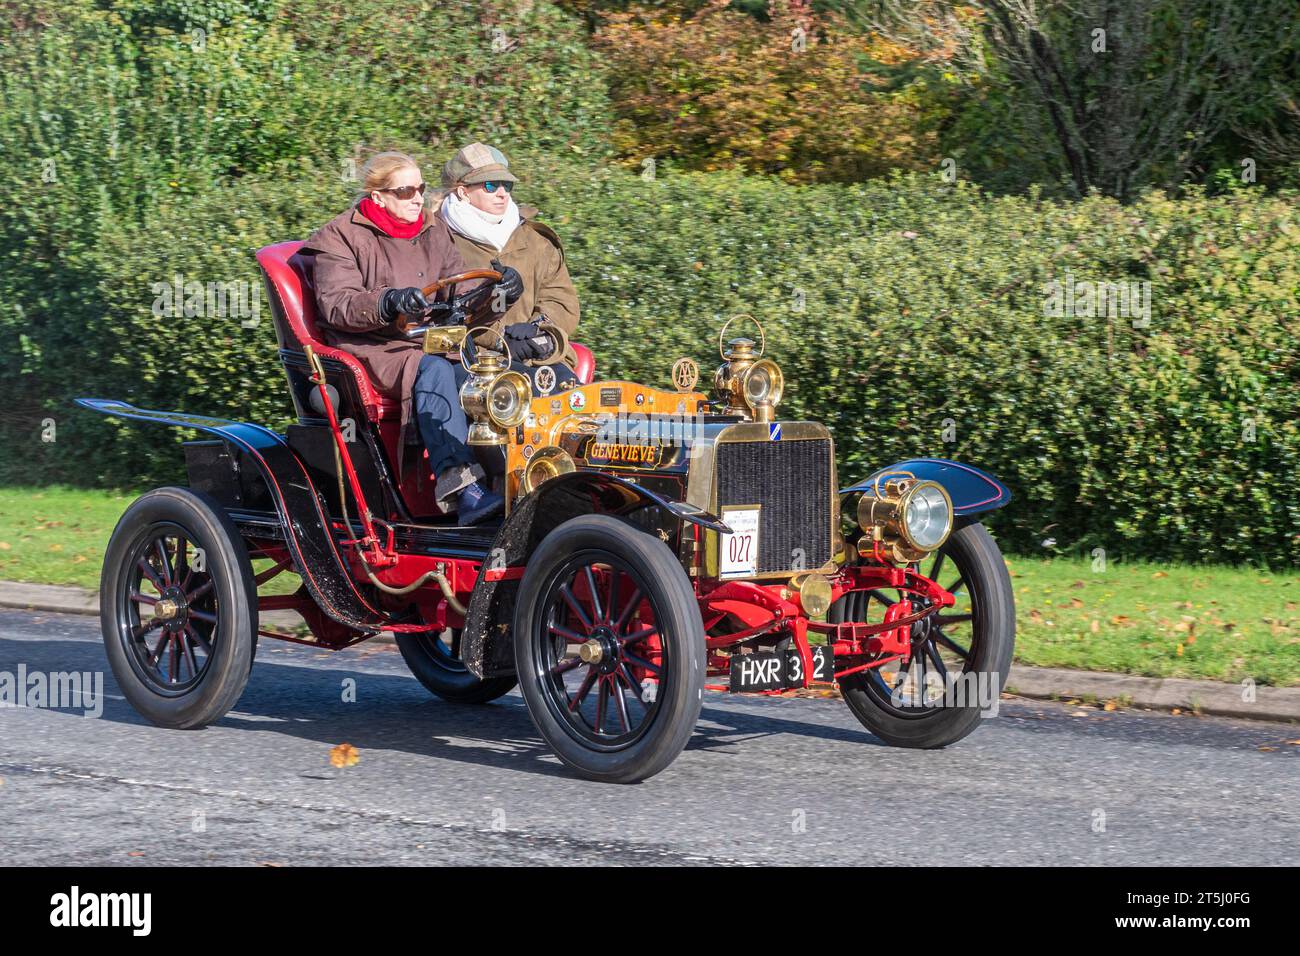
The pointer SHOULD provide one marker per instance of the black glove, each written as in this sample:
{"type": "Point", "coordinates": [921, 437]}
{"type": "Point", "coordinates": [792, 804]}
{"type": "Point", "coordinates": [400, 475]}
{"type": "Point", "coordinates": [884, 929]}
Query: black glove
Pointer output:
{"type": "Point", "coordinates": [537, 348]}
{"type": "Point", "coordinates": [510, 285]}
{"type": "Point", "coordinates": [409, 301]}
{"type": "Point", "coordinates": [524, 330]}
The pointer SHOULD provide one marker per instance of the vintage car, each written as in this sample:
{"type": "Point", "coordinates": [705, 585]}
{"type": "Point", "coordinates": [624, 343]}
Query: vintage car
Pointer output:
{"type": "Point", "coordinates": [657, 543]}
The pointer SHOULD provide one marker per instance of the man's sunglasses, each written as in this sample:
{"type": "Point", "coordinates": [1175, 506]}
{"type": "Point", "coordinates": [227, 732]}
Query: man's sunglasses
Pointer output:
{"type": "Point", "coordinates": [406, 192]}
{"type": "Point", "coordinates": [492, 186]}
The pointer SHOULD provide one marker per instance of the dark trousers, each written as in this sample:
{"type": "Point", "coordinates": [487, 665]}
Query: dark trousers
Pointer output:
{"type": "Point", "coordinates": [442, 422]}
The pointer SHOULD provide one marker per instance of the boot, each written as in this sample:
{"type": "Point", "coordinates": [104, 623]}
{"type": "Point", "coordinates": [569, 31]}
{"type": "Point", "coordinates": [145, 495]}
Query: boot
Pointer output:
{"type": "Point", "coordinates": [474, 503]}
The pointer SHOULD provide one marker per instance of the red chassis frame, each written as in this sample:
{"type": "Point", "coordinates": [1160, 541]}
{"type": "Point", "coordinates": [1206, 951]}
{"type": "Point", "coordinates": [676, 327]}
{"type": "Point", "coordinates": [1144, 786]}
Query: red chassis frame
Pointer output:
{"type": "Point", "coordinates": [761, 608]}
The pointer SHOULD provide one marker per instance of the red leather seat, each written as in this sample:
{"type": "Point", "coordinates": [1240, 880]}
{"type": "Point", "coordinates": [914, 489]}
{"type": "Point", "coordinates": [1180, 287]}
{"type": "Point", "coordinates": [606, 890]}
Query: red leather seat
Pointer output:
{"type": "Point", "coordinates": [294, 309]}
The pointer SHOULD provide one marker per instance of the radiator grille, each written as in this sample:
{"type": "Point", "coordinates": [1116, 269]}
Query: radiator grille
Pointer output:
{"type": "Point", "coordinates": [792, 482]}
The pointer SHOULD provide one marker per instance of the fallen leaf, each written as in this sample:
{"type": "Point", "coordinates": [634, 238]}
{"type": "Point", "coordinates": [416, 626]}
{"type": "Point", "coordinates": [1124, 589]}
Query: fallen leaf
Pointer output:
{"type": "Point", "coordinates": [1266, 749]}
{"type": "Point", "coordinates": [344, 755]}
{"type": "Point", "coordinates": [1161, 574]}
{"type": "Point", "coordinates": [1110, 705]}
{"type": "Point", "coordinates": [1176, 711]}
{"type": "Point", "coordinates": [1077, 585]}
{"type": "Point", "coordinates": [1095, 626]}
{"type": "Point", "coordinates": [1079, 713]}
{"type": "Point", "coordinates": [56, 547]}
{"type": "Point", "coordinates": [4, 545]}
{"type": "Point", "coordinates": [1179, 651]}
{"type": "Point", "coordinates": [1076, 603]}
{"type": "Point", "coordinates": [1035, 615]}
{"type": "Point", "coordinates": [136, 853]}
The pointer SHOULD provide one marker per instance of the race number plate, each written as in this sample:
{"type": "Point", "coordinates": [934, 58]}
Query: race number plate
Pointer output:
{"type": "Point", "coordinates": [768, 671]}
{"type": "Point", "coordinates": [738, 551]}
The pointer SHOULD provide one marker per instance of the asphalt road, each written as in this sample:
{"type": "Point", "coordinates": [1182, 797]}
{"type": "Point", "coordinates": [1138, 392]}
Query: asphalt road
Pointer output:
{"type": "Point", "coordinates": [762, 781]}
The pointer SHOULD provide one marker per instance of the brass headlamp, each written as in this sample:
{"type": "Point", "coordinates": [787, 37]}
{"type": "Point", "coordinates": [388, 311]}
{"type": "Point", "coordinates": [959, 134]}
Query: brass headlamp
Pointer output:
{"type": "Point", "coordinates": [546, 463]}
{"type": "Point", "coordinates": [903, 519]}
{"type": "Point", "coordinates": [494, 397]}
{"type": "Point", "coordinates": [746, 383]}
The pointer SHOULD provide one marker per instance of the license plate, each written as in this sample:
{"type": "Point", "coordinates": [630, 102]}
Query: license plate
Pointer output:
{"type": "Point", "coordinates": [772, 671]}
{"type": "Point", "coordinates": [738, 555]}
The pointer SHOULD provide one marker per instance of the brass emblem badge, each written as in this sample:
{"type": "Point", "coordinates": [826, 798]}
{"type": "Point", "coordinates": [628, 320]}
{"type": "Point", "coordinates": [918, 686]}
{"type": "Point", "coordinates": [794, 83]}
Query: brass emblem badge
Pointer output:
{"type": "Point", "coordinates": [544, 380]}
{"type": "Point", "coordinates": [685, 374]}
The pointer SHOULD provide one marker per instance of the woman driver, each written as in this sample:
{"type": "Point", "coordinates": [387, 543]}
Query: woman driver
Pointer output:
{"type": "Point", "coordinates": [370, 263]}
{"type": "Point", "coordinates": [487, 226]}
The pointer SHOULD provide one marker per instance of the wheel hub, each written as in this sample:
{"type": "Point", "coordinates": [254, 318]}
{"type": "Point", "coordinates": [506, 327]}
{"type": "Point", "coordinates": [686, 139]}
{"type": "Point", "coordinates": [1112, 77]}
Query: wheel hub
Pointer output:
{"type": "Point", "coordinates": [601, 651]}
{"type": "Point", "coordinates": [172, 609]}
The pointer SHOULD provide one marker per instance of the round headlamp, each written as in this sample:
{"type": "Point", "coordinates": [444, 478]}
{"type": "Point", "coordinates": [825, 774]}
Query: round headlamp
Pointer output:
{"type": "Point", "coordinates": [905, 519]}
{"type": "Point", "coordinates": [508, 397]}
{"type": "Point", "coordinates": [762, 384]}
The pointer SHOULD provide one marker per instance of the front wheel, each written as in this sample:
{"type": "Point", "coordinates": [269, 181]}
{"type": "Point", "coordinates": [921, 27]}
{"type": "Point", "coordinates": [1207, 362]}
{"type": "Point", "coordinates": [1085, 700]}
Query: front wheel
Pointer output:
{"type": "Point", "coordinates": [960, 655]}
{"type": "Point", "coordinates": [609, 647]}
{"type": "Point", "coordinates": [178, 608]}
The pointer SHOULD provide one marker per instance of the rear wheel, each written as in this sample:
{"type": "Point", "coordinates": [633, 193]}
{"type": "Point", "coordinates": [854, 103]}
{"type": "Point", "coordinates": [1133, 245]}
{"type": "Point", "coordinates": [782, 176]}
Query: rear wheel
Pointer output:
{"type": "Point", "coordinates": [967, 648]}
{"type": "Point", "coordinates": [178, 608]}
{"type": "Point", "coordinates": [609, 646]}
{"type": "Point", "coordinates": [435, 661]}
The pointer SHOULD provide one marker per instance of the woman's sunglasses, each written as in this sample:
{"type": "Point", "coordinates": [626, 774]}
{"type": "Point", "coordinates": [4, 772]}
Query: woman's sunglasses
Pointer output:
{"type": "Point", "coordinates": [492, 186]}
{"type": "Point", "coordinates": [405, 192]}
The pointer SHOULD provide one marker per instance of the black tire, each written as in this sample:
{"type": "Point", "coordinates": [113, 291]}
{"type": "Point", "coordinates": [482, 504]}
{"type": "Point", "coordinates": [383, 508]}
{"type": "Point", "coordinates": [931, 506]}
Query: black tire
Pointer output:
{"type": "Point", "coordinates": [213, 632]}
{"type": "Point", "coordinates": [669, 633]}
{"type": "Point", "coordinates": [973, 558]}
{"type": "Point", "coordinates": [433, 661]}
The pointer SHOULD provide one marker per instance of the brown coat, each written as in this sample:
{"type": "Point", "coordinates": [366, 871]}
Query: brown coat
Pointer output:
{"type": "Point", "coordinates": [535, 251]}
{"type": "Point", "coordinates": [352, 263]}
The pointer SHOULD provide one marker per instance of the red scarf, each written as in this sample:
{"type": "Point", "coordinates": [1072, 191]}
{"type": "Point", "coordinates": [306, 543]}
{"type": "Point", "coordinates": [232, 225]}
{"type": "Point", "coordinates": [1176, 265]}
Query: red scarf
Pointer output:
{"type": "Point", "coordinates": [385, 221]}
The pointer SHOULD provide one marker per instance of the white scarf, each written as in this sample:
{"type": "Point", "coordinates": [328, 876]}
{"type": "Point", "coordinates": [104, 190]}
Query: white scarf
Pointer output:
{"type": "Point", "coordinates": [473, 223]}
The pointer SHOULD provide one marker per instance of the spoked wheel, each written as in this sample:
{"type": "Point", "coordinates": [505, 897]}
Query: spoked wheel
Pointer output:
{"type": "Point", "coordinates": [960, 655]}
{"type": "Point", "coordinates": [178, 608]}
{"type": "Point", "coordinates": [609, 646]}
{"type": "Point", "coordinates": [435, 661]}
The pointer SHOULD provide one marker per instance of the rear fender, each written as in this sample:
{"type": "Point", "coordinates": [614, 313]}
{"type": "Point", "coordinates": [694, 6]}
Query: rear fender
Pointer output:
{"type": "Point", "coordinates": [486, 645]}
{"type": "Point", "coordinates": [972, 491]}
{"type": "Point", "coordinates": [305, 525]}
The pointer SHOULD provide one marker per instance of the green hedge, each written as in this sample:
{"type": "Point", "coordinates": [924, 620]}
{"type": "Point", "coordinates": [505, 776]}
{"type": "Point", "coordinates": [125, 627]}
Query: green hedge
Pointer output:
{"type": "Point", "coordinates": [904, 312]}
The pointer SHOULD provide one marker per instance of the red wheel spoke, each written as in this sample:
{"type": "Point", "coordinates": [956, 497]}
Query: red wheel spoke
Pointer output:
{"type": "Point", "coordinates": [183, 569]}
{"type": "Point", "coordinates": [137, 596]}
{"type": "Point", "coordinates": [616, 689]}
{"type": "Point", "coordinates": [952, 588]}
{"type": "Point", "coordinates": [640, 635]}
{"type": "Point", "coordinates": [597, 613]}
{"type": "Point", "coordinates": [611, 600]}
{"type": "Point", "coordinates": [160, 548]}
{"type": "Point", "coordinates": [183, 640]}
{"type": "Point", "coordinates": [601, 692]}
{"type": "Point", "coordinates": [632, 683]}
{"type": "Point", "coordinates": [198, 592]}
{"type": "Point", "coordinates": [575, 607]}
{"type": "Point", "coordinates": [203, 641]}
{"type": "Point", "coordinates": [573, 637]}
{"type": "Point", "coordinates": [150, 573]}
{"type": "Point", "coordinates": [566, 665]}
{"type": "Point", "coordinates": [144, 628]}
{"type": "Point", "coordinates": [203, 616]}
{"type": "Point", "coordinates": [643, 664]}
{"type": "Point", "coordinates": [156, 658]}
{"type": "Point", "coordinates": [173, 662]}
{"type": "Point", "coordinates": [587, 681]}
{"type": "Point", "coordinates": [626, 615]}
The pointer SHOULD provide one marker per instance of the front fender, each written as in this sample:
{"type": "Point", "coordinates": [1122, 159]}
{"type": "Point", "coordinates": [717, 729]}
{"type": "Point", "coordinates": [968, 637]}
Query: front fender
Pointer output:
{"type": "Point", "coordinates": [306, 526]}
{"type": "Point", "coordinates": [972, 491]}
{"type": "Point", "coordinates": [486, 646]}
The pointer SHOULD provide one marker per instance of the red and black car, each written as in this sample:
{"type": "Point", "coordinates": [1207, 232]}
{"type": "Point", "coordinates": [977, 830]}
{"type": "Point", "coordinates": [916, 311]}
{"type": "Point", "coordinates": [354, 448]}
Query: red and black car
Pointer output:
{"type": "Point", "coordinates": [657, 543]}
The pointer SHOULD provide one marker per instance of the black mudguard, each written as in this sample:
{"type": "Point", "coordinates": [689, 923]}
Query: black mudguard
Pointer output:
{"type": "Point", "coordinates": [486, 645]}
{"type": "Point", "coordinates": [306, 526]}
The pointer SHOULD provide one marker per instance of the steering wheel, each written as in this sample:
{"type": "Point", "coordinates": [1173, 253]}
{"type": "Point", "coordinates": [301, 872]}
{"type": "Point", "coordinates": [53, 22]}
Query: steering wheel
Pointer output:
{"type": "Point", "coordinates": [404, 322]}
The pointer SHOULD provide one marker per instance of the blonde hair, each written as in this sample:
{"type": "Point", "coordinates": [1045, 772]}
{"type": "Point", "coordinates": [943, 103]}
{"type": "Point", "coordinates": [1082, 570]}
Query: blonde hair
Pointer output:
{"type": "Point", "coordinates": [379, 169]}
